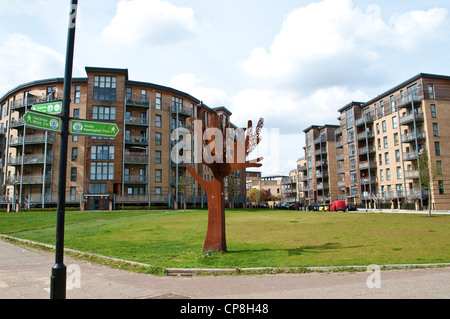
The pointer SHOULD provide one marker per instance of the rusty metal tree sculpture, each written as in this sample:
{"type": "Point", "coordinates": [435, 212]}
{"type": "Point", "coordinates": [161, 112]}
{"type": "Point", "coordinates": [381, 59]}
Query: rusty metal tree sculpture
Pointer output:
{"type": "Point", "coordinates": [228, 157]}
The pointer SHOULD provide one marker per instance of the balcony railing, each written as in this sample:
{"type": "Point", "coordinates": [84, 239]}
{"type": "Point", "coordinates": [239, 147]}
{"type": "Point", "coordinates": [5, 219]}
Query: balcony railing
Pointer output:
{"type": "Point", "coordinates": [412, 174]}
{"type": "Point", "coordinates": [367, 165]}
{"type": "Point", "coordinates": [321, 139]}
{"type": "Point", "coordinates": [138, 102]}
{"type": "Point", "coordinates": [365, 119]}
{"type": "Point", "coordinates": [408, 100]}
{"type": "Point", "coordinates": [365, 149]}
{"type": "Point", "coordinates": [135, 159]}
{"type": "Point", "coordinates": [410, 156]}
{"type": "Point", "coordinates": [31, 140]}
{"type": "Point", "coordinates": [367, 181]}
{"type": "Point", "coordinates": [182, 110]}
{"type": "Point", "coordinates": [407, 119]}
{"type": "Point", "coordinates": [406, 138]}
{"type": "Point", "coordinates": [135, 179]}
{"type": "Point", "coordinates": [363, 135]}
{"type": "Point", "coordinates": [137, 121]}
{"type": "Point", "coordinates": [30, 159]}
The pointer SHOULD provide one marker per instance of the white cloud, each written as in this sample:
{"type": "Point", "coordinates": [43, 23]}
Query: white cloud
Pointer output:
{"type": "Point", "coordinates": [24, 60]}
{"type": "Point", "coordinates": [332, 42]}
{"type": "Point", "coordinates": [189, 83]}
{"type": "Point", "coordinates": [149, 21]}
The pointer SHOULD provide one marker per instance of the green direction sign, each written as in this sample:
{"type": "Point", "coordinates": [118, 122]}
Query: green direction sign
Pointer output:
{"type": "Point", "coordinates": [93, 128]}
{"type": "Point", "coordinates": [42, 121]}
{"type": "Point", "coordinates": [48, 108]}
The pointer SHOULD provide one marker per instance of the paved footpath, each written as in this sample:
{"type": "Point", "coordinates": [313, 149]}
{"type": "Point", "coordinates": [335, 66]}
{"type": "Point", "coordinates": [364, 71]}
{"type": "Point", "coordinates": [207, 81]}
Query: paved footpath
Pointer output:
{"type": "Point", "coordinates": [25, 274]}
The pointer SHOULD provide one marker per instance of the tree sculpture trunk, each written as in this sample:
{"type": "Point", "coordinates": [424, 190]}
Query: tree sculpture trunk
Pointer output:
{"type": "Point", "coordinates": [215, 235]}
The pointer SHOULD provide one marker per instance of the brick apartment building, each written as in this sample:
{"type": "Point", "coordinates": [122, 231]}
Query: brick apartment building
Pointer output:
{"type": "Point", "coordinates": [134, 168]}
{"type": "Point", "coordinates": [371, 157]}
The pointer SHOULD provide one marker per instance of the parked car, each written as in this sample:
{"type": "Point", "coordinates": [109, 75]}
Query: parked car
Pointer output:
{"type": "Point", "coordinates": [294, 206]}
{"type": "Point", "coordinates": [351, 207]}
{"type": "Point", "coordinates": [338, 205]}
{"type": "Point", "coordinates": [313, 207]}
{"type": "Point", "coordinates": [277, 206]}
{"type": "Point", "coordinates": [324, 208]}
{"type": "Point", "coordinates": [285, 206]}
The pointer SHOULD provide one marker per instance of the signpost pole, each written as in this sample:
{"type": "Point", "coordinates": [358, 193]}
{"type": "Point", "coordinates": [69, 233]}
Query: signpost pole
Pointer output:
{"type": "Point", "coordinates": [59, 270]}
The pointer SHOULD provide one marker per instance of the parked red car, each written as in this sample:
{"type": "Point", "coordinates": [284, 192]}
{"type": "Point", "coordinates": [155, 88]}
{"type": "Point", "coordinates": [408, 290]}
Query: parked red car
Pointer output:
{"type": "Point", "coordinates": [338, 205]}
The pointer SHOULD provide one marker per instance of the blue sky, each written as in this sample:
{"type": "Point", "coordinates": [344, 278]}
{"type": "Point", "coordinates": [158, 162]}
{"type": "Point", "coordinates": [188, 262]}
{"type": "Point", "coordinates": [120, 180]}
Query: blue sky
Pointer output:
{"type": "Point", "coordinates": [295, 63]}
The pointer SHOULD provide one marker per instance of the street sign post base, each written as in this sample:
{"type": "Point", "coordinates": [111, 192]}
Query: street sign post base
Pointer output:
{"type": "Point", "coordinates": [58, 282]}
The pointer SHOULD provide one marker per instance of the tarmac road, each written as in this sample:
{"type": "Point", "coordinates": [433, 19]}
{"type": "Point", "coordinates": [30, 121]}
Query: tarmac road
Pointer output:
{"type": "Point", "coordinates": [25, 274]}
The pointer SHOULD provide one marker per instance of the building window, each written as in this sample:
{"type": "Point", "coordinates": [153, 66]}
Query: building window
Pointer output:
{"type": "Point", "coordinates": [77, 99]}
{"type": "Point", "coordinates": [158, 176]}
{"type": "Point", "coordinates": [379, 143]}
{"type": "Point", "coordinates": [380, 159]}
{"type": "Point", "coordinates": [349, 117]}
{"type": "Point", "coordinates": [104, 113]}
{"type": "Point", "coordinates": [439, 167]}
{"type": "Point", "coordinates": [97, 188]}
{"type": "Point", "coordinates": [399, 172]}
{"type": "Point", "coordinates": [73, 194]}
{"type": "Point", "coordinates": [435, 129]}
{"type": "Point", "coordinates": [158, 120]}
{"type": "Point", "coordinates": [143, 95]}
{"type": "Point", "coordinates": [74, 138]}
{"type": "Point", "coordinates": [157, 157]}
{"type": "Point", "coordinates": [431, 91]}
{"type": "Point", "coordinates": [399, 189]}
{"type": "Point", "coordinates": [383, 124]}
{"type": "Point", "coordinates": [437, 148]}
{"type": "Point", "coordinates": [382, 108]}
{"type": "Point", "coordinates": [433, 110]}
{"type": "Point", "coordinates": [158, 138]}
{"type": "Point", "coordinates": [105, 88]}
{"type": "Point", "coordinates": [392, 104]}
{"type": "Point", "coordinates": [381, 175]}
{"type": "Point", "coordinates": [158, 191]}
{"type": "Point", "coordinates": [394, 122]}
{"type": "Point", "coordinates": [385, 142]}
{"type": "Point", "coordinates": [388, 174]}
{"type": "Point", "coordinates": [158, 101]}
{"type": "Point", "coordinates": [74, 154]}
{"type": "Point", "coordinates": [386, 158]}
{"type": "Point", "coordinates": [73, 174]}
{"type": "Point", "coordinates": [378, 128]}
{"type": "Point", "coordinates": [129, 93]}
{"type": "Point", "coordinates": [441, 187]}
{"type": "Point", "coordinates": [397, 156]}
{"type": "Point", "coordinates": [76, 113]}
{"type": "Point", "coordinates": [102, 171]}
{"type": "Point", "coordinates": [396, 140]}
{"type": "Point", "coordinates": [102, 152]}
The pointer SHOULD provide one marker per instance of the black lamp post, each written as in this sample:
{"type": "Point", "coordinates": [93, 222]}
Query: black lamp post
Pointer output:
{"type": "Point", "coordinates": [59, 270]}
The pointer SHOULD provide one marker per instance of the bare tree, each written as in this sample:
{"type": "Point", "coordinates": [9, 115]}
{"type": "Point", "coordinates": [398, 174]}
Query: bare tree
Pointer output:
{"type": "Point", "coordinates": [428, 174]}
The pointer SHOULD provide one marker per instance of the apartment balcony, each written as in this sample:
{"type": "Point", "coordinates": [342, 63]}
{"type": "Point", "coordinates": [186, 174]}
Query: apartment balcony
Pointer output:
{"type": "Point", "coordinates": [411, 156]}
{"type": "Point", "coordinates": [179, 126]}
{"type": "Point", "coordinates": [322, 163]}
{"type": "Point", "coordinates": [137, 121]}
{"type": "Point", "coordinates": [410, 118]}
{"type": "Point", "coordinates": [320, 152]}
{"type": "Point", "coordinates": [364, 120]}
{"type": "Point", "coordinates": [340, 157]}
{"type": "Point", "coordinates": [410, 137]}
{"type": "Point", "coordinates": [138, 103]}
{"type": "Point", "coordinates": [364, 135]}
{"type": "Point", "coordinates": [17, 123]}
{"type": "Point", "coordinates": [39, 139]}
{"type": "Point", "coordinates": [302, 168]}
{"type": "Point", "coordinates": [407, 101]}
{"type": "Point", "coordinates": [339, 144]}
{"type": "Point", "coordinates": [341, 170]}
{"type": "Point", "coordinates": [366, 149]}
{"type": "Point", "coordinates": [321, 139]}
{"type": "Point", "coordinates": [367, 180]}
{"type": "Point", "coordinates": [136, 140]}
{"type": "Point", "coordinates": [30, 160]}
{"type": "Point", "coordinates": [412, 174]}
{"type": "Point", "coordinates": [324, 198]}
{"type": "Point", "coordinates": [321, 186]}
{"type": "Point", "coordinates": [29, 180]}
{"type": "Point", "coordinates": [21, 104]}
{"type": "Point", "coordinates": [367, 165]}
{"type": "Point", "coordinates": [321, 174]}
{"type": "Point", "coordinates": [182, 110]}
{"type": "Point", "coordinates": [136, 159]}
{"type": "Point", "coordinates": [417, 193]}
{"type": "Point", "coordinates": [302, 178]}
{"type": "Point", "coordinates": [341, 184]}
{"type": "Point", "coordinates": [338, 132]}
{"type": "Point", "coordinates": [135, 179]}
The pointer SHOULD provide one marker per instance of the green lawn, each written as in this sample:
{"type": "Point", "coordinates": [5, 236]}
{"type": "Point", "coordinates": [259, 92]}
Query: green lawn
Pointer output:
{"type": "Point", "coordinates": [255, 238]}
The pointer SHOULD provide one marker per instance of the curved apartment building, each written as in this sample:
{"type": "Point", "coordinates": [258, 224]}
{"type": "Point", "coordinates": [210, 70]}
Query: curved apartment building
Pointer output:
{"type": "Point", "coordinates": [134, 168]}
